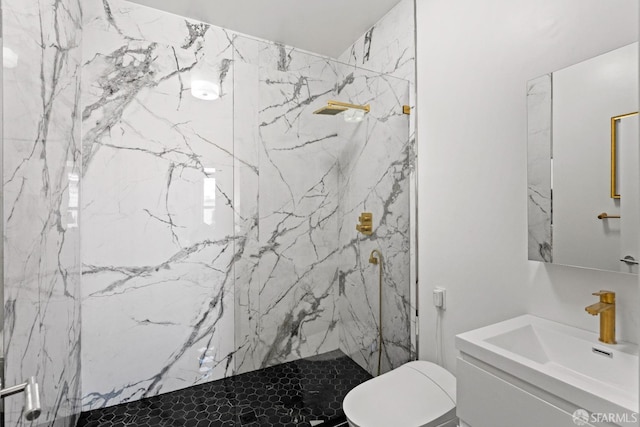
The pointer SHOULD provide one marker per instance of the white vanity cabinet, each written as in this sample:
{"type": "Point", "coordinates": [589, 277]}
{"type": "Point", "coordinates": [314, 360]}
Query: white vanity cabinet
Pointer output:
{"type": "Point", "coordinates": [488, 397]}
{"type": "Point", "coordinates": [532, 372]}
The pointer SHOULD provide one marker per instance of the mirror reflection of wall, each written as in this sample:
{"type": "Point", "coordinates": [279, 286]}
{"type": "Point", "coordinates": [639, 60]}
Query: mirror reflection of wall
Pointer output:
{"type": "Point", "coordinates": [570, 163]}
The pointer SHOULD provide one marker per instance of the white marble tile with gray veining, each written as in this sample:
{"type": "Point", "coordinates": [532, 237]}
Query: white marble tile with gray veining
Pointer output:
{"type": "Point", "coordinates": [41, 170]}
{"type": "Point", "coordinates": [247, 176]}
{"type": "Point", "coordinates": [389, 48]}
{"type": "Point", "coordinates": [539, 168]}
{"type": "Point", "coordinates": [297, 208]}
{"type": "Point", "coordinates": [374, 177]}
{"type": "Point", "coordinates": [159, 214]}
{"type": "Point", "coordinates": [213, 231]}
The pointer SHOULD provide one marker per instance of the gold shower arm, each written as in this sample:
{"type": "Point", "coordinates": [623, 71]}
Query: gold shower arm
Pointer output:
{"type": "Point", "coordinates": [366, 108]}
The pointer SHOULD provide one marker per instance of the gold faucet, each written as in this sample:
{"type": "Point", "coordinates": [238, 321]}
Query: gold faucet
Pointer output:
{"type": "Point", "coordinates": [606, 308]}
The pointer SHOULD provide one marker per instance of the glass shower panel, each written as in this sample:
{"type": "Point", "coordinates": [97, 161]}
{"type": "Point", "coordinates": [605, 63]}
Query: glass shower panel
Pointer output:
{"type": "Point", "coordinates": [375, 164]}
{"type": "Point", "coordinates": [298, 207]}
{"type": "Point", "coordinates": [246, 182]}
{"type": "Point", "coordinates": [158, 205]}
{"type": "Point", "coordinates": [303, 283]}
{"type": "Point", "coordinates": [286, 179]}
{"type": "Point", "coordinates": [41, 173]}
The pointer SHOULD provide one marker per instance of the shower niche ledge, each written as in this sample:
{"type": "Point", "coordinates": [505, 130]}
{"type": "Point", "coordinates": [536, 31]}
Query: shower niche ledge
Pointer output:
{"type": "Point", "coordinates": [529, 372]}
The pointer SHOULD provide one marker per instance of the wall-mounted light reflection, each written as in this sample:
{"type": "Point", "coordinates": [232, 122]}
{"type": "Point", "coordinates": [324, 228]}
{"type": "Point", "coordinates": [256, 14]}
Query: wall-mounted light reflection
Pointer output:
{"type": "Point", "coordinates": [9, 58]}
{"type": "Point", "coordinates": [204, 81]}
{"type": "Point", "coordinates": [353, 116]}
{"type": "Point", "coordinates": [209, 197]}
{"type": "Point", "coordinates": [74, 200]}
{"type": "Point", "coordinates": [206, 360]}
{"type": "Point", "coordinates": [205, 89]}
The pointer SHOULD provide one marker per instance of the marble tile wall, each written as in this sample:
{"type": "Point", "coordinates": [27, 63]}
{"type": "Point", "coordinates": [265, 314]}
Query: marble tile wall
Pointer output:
{"type": "Point", "coordinates": [159, 209]}
{"type": "Point", "coordinates": [389, 48]}
{"type": "Point", "coordinates": [182, 285]}
{"type": "Point", "coordinates": [539, 168]}
{"type": "Point", "coordinates": [375, 169]}
{"type": "Point", "coordinates": [160, 273]}
{"type": "Point", "coordinates": [41, 169]}
{"type": "Point", "coordinates": [287, 277]}
{"type": "Point", "coordinates": [379, 176]}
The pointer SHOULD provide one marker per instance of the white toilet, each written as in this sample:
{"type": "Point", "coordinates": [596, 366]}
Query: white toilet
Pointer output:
{"type": "Point", "coordinates": [417, 394]}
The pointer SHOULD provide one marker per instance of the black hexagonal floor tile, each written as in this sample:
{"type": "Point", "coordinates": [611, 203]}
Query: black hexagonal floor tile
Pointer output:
{"type": "Point", "coordinates": [291, 394]}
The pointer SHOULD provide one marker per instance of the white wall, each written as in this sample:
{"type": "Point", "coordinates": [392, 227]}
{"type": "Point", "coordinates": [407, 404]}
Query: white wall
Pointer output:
{"type": "Point", "coordinates": [473, 61]}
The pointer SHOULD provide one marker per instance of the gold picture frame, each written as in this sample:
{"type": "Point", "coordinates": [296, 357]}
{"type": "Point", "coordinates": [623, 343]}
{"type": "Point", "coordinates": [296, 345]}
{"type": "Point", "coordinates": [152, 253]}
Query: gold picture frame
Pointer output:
{"type": "Point", "coordinates": [614, 153]}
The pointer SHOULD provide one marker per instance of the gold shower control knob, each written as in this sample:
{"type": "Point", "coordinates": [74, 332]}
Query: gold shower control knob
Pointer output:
{"type": "Point", "coordinates": [366, 217]}
{"type": "Point", "coordinates": [366, 223]}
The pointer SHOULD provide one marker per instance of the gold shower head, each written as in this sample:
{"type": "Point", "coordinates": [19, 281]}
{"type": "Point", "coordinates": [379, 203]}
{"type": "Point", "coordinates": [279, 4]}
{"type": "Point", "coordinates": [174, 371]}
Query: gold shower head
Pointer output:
{"type": "Point", "coordinates": [336, 107]}
{"type": "Point", "coordinates": [330, 110]}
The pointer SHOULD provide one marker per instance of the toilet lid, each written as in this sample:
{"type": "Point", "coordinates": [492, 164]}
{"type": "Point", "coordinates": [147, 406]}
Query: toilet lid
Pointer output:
{"type": "Point", "coordinates": [414, 394]}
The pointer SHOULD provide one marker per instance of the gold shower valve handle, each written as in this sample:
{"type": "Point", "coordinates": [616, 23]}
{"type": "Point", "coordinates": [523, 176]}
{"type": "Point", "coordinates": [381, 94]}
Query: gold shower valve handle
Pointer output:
{"type": "Point", "coordinates": [606, 296]}
{"type": "Point", "coordinates": [365, 225]}
{"type": "Point", "coordinates": [366, 217]}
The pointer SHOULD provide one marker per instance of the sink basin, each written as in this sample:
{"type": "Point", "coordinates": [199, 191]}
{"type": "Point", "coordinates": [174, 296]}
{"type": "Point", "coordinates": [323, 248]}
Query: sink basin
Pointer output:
{"type": "Point", "coordinates": [567, 362]}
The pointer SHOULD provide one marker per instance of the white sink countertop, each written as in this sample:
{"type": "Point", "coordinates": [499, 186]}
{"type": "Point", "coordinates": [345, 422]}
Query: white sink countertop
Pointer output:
{"type": "Point", "coordinates": [567, 362]}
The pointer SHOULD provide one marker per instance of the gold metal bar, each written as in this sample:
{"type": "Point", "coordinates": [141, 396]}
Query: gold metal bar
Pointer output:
{"type": "Point", "coordinates": [366, 108]}
{"type": "Point", "coordinates": [614, 166]}
{"type": "Point", "coordinates": [406, 109]}
{"type": "Point", "coordinates": [613, 159]}
{"type": "Point", "coordinates": [605, 215]}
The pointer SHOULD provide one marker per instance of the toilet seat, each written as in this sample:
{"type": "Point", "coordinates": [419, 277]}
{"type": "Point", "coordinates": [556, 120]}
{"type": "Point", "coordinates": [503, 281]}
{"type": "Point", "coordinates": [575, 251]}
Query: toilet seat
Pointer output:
{"type": "Point", "coordinates": [417, 394]}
